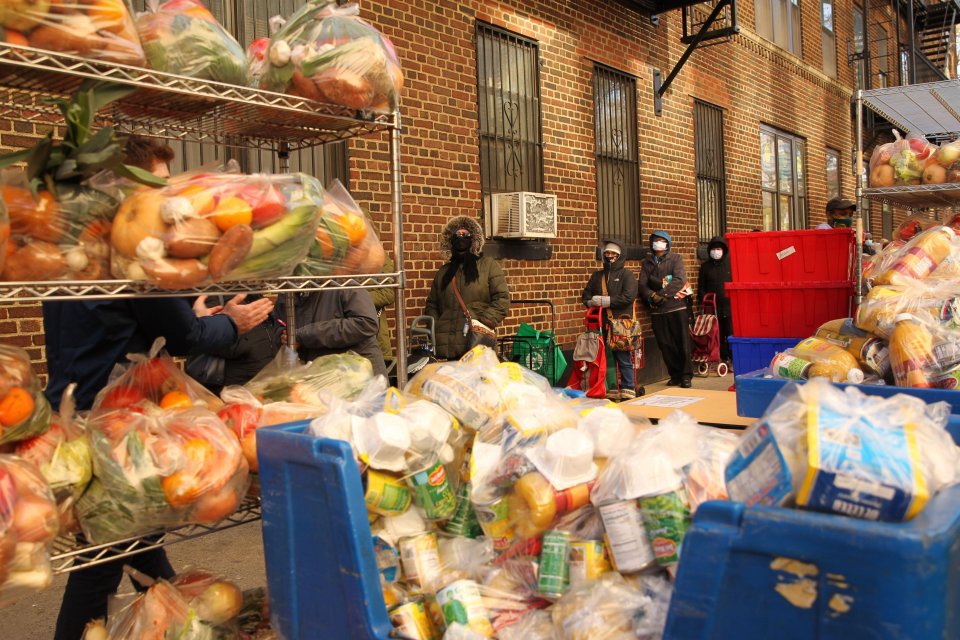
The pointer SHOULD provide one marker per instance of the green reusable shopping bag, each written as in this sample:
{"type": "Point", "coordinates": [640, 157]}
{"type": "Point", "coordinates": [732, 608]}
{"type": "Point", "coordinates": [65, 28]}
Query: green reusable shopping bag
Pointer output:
{"type": "Point", "coordinates": [538, 351]}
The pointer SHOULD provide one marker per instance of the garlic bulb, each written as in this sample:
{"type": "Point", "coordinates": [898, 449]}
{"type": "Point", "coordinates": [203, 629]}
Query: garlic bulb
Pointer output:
{"type": "Point", "coordinates": [279, 53]}
{"type": "Point", "coordinates": [151, 249]}
{"type": "Point", "coordinates": [176, 209]}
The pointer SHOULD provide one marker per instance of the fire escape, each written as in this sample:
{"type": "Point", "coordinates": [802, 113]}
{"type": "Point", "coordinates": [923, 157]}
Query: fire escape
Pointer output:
{"type": "Point", "coordinates": [704, 24]}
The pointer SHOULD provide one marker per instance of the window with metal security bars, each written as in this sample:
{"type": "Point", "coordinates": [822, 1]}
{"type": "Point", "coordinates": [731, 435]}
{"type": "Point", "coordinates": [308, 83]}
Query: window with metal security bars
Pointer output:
{"type": "Point", "coordinates": [711, 184]}
{"type": "Point", "coordinates": [783, 180]}
{"type": "Point", "coordinates": [615, 142]}
{"type": "Point", "coordinates": [247, 20]}
{"type": "Point", "coordinates": [508, 92]}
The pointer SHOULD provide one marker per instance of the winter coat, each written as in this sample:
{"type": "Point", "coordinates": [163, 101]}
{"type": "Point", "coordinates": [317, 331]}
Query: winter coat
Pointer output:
{"type": "Point", "coordinates": [337, 321]}
{"type": "Point", "coordinates": [621, 287]}
{"type": "Point", "coordinates": [487, 299]}
{"type": "Point", "coordinates": [85, 339]}
{"type": "Point", "coordinates": [383, 297]}
{"type": "Point", "coordinates": [654, 270]}
{"type": "Point", "coordinates": [713, 275]}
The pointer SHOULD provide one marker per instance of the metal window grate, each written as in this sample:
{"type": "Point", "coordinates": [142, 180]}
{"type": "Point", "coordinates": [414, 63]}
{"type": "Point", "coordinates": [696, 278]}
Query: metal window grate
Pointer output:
{"type": "Point", "coordinates": [711, 184]}
{"type": "Point", "coordinates": [508, 91]}
{"type": "Point", "coordinates": [618, 170]}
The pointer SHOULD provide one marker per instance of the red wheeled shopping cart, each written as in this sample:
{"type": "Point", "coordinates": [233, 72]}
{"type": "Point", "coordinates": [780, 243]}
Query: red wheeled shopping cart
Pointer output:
{"type": "Point", "coordinates": [589, 373]}
{"type": "Point", "coordinates": [705, 335]}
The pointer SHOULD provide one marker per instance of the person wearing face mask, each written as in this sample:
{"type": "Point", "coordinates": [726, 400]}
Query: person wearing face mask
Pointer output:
{"type": "Point", "coordinates": [662, 283]}
{"type": "Point", "coordinates": [479, 280]}
{"type": "Point", "coordinates": [615, 289]}
{"type": "Point", "coordinates": [840, 212]}
{"type": "Point", "coordinates": [714, 272]}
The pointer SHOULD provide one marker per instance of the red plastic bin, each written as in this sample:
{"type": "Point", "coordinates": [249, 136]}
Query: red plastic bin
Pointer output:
{"type": "Point", "coordinates": [771, 310]}
{"type": "Point", "coordinates": [817, 255]}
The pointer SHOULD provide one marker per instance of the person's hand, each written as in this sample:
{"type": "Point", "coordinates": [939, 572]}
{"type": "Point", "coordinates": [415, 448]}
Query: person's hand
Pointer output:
{"type": "Point", "coordinates": [201, 309]}
{"type": "Point", "coordinates": [604, 301]}
{"type": "Point", "coordinates": [656, 299]}
{"type": "Point", "coordinates": [247, 316]}
{"type": "Point", "coordinates": [596, 301]}
{"type": "Point", "coordinates": [283, 340]}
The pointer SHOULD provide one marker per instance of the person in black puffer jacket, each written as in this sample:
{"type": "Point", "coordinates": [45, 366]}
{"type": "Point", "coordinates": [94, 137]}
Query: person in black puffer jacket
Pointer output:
{"type": "Point", "coordinates": [617, 300]}
{"type": "Point", "coordinates": [714, 273]}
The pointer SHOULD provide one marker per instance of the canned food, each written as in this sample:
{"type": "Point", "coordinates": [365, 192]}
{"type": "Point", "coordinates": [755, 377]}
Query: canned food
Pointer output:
{"type": "Point", "coordinates": [432, 492]}
{"type": "Point", "coordinates": [461, 602]}
{"type": "Point", "coordinates": [666, 518]}
{"type": "Point", "coordinates": [464, 521]}
{"type": "Point", "coordinates": [553, 577]}
{"type": "Point", "coordinates": [626, 538]}
{"type": "Point", "coordinates": [494, 518]}
{"type": "Point", "coordinates": [411, 621]}
{"type": "Point", "coordinates": [388, 559]}
{"type": "Point", "coordinates": [420, 558]}
{"type": "Point", "coordinates": [385, 494]}
{"type": "Point", "coordinates": [588, 561]}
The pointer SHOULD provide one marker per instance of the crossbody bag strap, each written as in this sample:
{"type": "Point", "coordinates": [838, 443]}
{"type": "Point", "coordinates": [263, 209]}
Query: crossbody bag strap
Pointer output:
{"type": "Point", "coordinates": [456, 292]}
{"type": "Point", "coordinates": [633, 307]}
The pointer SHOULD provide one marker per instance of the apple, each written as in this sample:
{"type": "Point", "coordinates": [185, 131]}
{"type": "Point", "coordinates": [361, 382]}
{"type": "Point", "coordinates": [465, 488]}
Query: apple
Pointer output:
{"type": "Point", "coordinates": [949, 153]}
{"type": "Point", "coordinates": [882, 176]}
{"type": "Point", "coordinates": [240, 418]}
{"type": "Point", "coordinates": [934, 174]}
{"type": "Point", "coordinates": [123, 397]}
{"type": "Point", "coordinates": [150, 376]}
{"type": "Point", "coordinates": [267, 203]}
{"type": "Point", "coordinates": [922, 148]}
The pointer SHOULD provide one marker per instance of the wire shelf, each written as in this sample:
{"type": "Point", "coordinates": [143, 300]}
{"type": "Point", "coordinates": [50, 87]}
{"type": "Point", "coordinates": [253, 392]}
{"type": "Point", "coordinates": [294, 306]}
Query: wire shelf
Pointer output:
{"type": "Point", "coordinates": [69, 555]}
{"type": "Point", "coordinates": [178, 107]}
{"type": "Point", "coordinates": [926, 196]}
{"type": "Point", "coordinates": [114, 289]}
{"type": "Point", "coordinates": [931, 109]}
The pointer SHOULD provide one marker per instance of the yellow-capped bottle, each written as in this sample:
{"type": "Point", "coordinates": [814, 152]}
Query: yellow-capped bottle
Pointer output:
{"type": "Point", "coordinates": [911, 352]}
{"type": "Point", "coordinates": [920, 257]}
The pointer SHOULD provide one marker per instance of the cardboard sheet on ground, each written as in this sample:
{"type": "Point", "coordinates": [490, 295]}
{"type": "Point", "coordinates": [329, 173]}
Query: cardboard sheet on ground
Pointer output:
{"type": "Point", "coordinates": [706, 406]}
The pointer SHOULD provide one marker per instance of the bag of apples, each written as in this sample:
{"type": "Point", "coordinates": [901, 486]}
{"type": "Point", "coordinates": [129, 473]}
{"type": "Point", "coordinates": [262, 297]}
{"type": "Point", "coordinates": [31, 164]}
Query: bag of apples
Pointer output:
{"type": "Point", "coordinates": [24, 411]}
{"type": "Point", "coordinates": [906, 161]}
{"type": "Point", "coordinates": [28, 525]}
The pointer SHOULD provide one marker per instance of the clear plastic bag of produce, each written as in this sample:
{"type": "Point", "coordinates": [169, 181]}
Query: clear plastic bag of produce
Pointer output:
{"type": "Point", "coordinates": [329, 54]}
{"type": "Point", "coordinates": [101, 30]}
{"type": "Point", "coordinates": [24, 410]}
{"type": "Point", "coordinates": [613, 609]}
{"type": "Point", "coordinates": [28, 525]}
{"type": "Point", "coordinates": [194, 605]}
{"type": "Point", "coordinates": [466, 392]}
{"type": "Point", "coordinates": [287, 379]}
{"type": "Point", "coordinates": [840, 451]}
{"type": "Point", "coordinates": [156, 471]}
{"type": "Point", "coordinates": [183, 38]}
{"type": "Point", "coordinates": [345, 241]}
{"type": "Point", "coordinates": [948, 157]}
{"type": "Point", "coordinates": [817, 358]}
{"type": "Point", "coordinates": [153, 383]}
{"type": "Point", "coordinates": [216, 227]}
{"type": "Point", "coordinates": [924, 353]}
{"type": "Point", "coordinates": [62, 455]}
{"type": "Point", "coordinates": [61, 235]}
{"type": "Point", "coordinates": [936, 301]}
{"type": "Point", "coordinates": [904, 162]}
{"type": "Point", "coordinates": [919, 258]}
{"type": "Point", "coordinates": [871, 352]}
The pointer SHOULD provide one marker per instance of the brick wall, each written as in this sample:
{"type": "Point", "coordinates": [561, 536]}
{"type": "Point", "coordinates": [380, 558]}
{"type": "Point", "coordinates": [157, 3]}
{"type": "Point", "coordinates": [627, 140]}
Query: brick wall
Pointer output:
{"type": "Point", "coordinates": [751, 79]}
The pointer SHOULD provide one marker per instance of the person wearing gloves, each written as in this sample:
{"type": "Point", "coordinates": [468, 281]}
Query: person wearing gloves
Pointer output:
{"type": "Point", "coordinates": [662, 279]}
{"type": "Point", "coordinates": [479, 280]}
{"type": "Point", "coordinates": [714, 273]}
{"type": "Point", "coordinates": [615, 289]}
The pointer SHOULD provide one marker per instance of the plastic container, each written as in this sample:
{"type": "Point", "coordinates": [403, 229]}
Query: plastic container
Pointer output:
{"type": "Point", "coordinates": [817, 255]}
{"type": "Point", "coordinates": [316, 539]}
{"type": "Point", "coordinates": [755, 392]}
{"type": "Point", "coordinates": [771, 310]}
{"type": "Point", "coordinates": [849, 579]}
{"type": "Point", "coordinates": [750, 354]}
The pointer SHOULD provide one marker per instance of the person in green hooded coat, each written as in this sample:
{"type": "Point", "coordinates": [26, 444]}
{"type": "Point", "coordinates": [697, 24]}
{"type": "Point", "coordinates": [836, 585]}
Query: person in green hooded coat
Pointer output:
{"type": "Point", "coordinates": [480, 281]}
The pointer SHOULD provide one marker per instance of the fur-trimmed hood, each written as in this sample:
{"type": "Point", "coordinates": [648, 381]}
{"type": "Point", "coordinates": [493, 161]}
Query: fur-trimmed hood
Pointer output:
{"type": "Point", "coordinates": [461, 222]}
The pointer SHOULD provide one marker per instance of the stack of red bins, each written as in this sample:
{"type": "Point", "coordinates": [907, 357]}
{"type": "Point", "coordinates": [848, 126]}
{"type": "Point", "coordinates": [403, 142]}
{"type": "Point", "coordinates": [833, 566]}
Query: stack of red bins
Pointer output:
{"type": "Point", "coordinates": [785, 285]}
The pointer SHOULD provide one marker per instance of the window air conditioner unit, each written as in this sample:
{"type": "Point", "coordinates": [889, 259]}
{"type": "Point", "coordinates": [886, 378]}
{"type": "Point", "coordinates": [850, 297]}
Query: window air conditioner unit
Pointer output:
{"type": "Point", "coordinates": [521, 214]}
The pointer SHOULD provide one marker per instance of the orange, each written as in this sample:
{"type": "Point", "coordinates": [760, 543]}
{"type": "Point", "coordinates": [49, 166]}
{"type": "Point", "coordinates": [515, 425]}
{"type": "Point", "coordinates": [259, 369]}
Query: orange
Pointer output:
{"type": "Point", "coordinates": [186, 485]}
{"type": "Point", "coordinates": [324, 242]}
{"type": "Point", "coordinates": [15, 38]}
{"type": "Point", "coordinates": [108, 14]}
{"type": "Point", "coordinates": [16, 407]}
{"type": "Point", "coordinates": [230, 212]}
{"type": "Point", "coordinates": [175, 400]}
{"type": "Point", "coordinates": [355, 226]}
{"type": "Point", "coordinates": [38, 218]}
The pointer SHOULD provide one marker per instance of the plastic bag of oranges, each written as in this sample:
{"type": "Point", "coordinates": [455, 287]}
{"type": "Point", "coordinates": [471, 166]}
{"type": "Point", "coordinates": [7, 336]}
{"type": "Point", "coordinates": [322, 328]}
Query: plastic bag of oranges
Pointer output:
{"type": "Point", "coordinates": [24, 411]}
{"type": "Point", "coordinates": [98, 29]}
{"type": "Point", "coordinates": [345, 240]}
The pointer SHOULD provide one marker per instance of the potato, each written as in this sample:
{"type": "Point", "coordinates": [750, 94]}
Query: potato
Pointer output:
{"type": "Point", "coordinates": [76, 34]}
{"type": "Point", "coordinates": [192, 238]}
{"type": "Point", "coordinates": [230, 250]}
{"type": "Point", "coordinates": [36, 261]}
{"type": "Point", "coordinates": [176, 273]}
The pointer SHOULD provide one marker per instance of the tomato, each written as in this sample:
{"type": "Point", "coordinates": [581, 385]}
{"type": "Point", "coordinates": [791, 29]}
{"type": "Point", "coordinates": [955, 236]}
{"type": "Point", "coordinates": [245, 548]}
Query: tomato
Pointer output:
{"type": "Point", "coordinates": [150, 376]}
{"type": "Point", "coordinates": [123, 397]}
{"type": "Point", "coordinates": [267, 204]}
{"type": "Point", "coordinates": [176, 400]}
{"type": "Point", "coordinates": [211, 507]}
{"type": "Point", "coordinates": [240, 418]}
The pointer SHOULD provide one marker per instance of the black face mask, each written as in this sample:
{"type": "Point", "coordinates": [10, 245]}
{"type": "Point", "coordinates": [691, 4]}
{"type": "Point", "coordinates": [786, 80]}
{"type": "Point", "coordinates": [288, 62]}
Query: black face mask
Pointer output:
{"type": "Point", "coordinates": [462, 243]}
{"type": "Point", "coordinates": [608, 262]}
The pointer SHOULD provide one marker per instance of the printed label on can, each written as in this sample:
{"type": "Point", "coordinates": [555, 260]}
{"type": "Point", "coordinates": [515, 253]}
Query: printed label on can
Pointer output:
{"type": "Point", "coordinates": [411, 621]}
{"type": "Point", "coordinates": [626, 538]}
{"type": "Point", "coordinates": [386, 495]}
{"type": "Point", "coordinates": [432, 492]}
{"type": "Point", "coordinates": [464, 522]}
{"type": "Point", "coordinates": [461, 602]}
{"type": "Point", "coordinates": [666, 518]}
{"type": "Point", "coordinates": [588, 561]}
{"type": "Point", "coordinates": [790, 367]}
{"type": "Point", "coordinates": [420, 558]}
{"type": "Point", "coordinates": [494, 519]}
{"type": "Point", "coordinates": [572, 499]}
{"type": "Point", "coordinates": [554, 573]}
{"type": "Point", "coordinates": [948, 380]}
{"type": "Point", "coordinates": [388, 559]}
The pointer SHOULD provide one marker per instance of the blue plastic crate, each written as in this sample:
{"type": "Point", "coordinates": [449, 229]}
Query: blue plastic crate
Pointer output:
{"type": "Point", "coordinates": [754, 393]}
{"type": "Point", "coordinates": [321, 569]}
{"type": "Point", "coordinates": [750, 354]}
{"type": "Point", "coordinates": [873, 581]}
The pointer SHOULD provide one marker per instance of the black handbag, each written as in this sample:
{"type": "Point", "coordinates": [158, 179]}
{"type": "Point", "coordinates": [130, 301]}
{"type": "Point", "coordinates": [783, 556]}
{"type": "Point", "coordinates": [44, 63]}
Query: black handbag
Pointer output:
{"type": "Point", "coordinates": [477, 335]}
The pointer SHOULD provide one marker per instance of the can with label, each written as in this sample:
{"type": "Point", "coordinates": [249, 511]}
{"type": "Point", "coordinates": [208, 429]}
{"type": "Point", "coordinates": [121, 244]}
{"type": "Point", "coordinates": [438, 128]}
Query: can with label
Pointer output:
{"type": "Point", "coordinates": [388, 559]}
{"type": "Point", "coordinates": [433, 612]}
{"type": "Point", "coordinates": [588, 561]}
{"type": "Point", "coordinates": [432, 491]}
{"type": "Point", "coordinates": [626, 538]}
{"type": "Point", "coordinates": [790, 367]}
{"type": "Point", "coordinates": [461, 602]}
{"type": "Point", "coordinates": [385, 494]}
{"type": "Point", "coordinates": [411, 621]}
{"type": "Point", "coordinates": [572, 498]}
{"type": "Point", "coordinates": [494, 518]}
{"type": "Point", "coordinates": [464, 521]}
{"type": "Point", "coordinates": [420, 558]}
{"type": "Point", "coordinates": [553, 577]}
{"type": "Point", "coordinates": [666, 518]}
